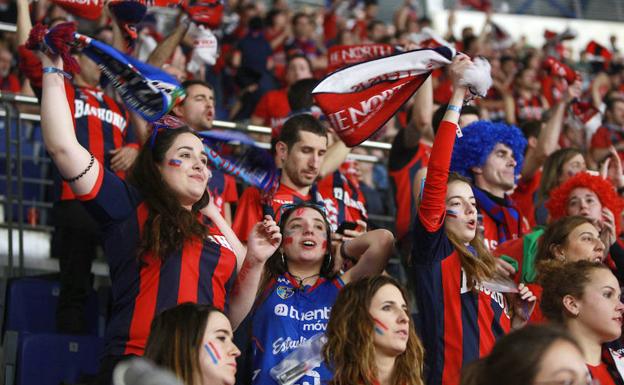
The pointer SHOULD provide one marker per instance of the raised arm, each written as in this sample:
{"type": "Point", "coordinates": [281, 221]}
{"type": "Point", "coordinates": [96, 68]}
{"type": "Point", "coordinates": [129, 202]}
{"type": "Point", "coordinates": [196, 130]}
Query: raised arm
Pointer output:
{"type": "Point", "coordinates": [371, 250]}
{"type": "Point", "coordinates": [335, 156]}
{"type": "Point", "coordinates": [422, 113]}
{"type": "Point", "coordinates": [432, 206]}
{"type": "Point", "coordinates": [263, 242]}
{"type": "Point", "coordinates": [548, 139]}
{"type": "Point", "coordinates": [24, 24]}
{"type": "Point", "coordinates": [73, 161]}
{"type": "Point", "coordinates": [165, 49]}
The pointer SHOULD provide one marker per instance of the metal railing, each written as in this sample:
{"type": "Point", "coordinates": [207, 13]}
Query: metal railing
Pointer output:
{"type": "Point", "coordinates": [15, 203]}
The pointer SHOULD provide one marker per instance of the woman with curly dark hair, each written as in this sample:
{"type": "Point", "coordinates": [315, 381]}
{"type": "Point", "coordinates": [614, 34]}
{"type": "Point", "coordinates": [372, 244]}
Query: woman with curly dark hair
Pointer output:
{"type": "Point", "coordinates": [370, 336]}
{"type": "Point", "coordinates": [165, 244]}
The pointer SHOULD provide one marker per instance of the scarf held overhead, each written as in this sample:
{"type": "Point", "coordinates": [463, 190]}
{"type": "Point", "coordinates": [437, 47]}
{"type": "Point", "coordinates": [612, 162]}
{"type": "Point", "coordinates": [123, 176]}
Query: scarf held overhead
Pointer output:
{"type": "Point", "coordinates": [145, 89]}
{"type": "Point", "coordinates": [360, 99]}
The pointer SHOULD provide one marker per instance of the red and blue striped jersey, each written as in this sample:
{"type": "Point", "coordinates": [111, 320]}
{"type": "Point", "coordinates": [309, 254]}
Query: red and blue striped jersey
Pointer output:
{"type": "Point", "coordinates": [252, 207]}
{"type": "Point", "coordinates": [101, 125]}
{"type": "Point", "coordinates": [222, 188]}
{"type": "Point", "coordinates": [402, 175]}
{"type": "Point", "coordinates": [457, 324]}
{"type": "Point", "coordinates": [346, 198]}
{"type": "Point", "coordinates": [202, 271]}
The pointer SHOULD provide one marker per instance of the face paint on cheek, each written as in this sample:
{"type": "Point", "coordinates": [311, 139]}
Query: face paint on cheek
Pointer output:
{"type": "Point", "coordinates": [212, 352]}
{"type": "Point", "coordinates": [299, 212]}
{"type": "Point", "coordinates": [325, 244]}
{"type": "Point", "coordinates": [288, 241]}
{"type": "Point", "coordinates": [451, 214]}
{"type": "Point", "coordinates": [175, 163]}
{"type": "Point", "coordinates": [380, 327]}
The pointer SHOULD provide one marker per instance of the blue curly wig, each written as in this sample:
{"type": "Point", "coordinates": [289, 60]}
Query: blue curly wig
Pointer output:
{"type": "Point", "coordinates": [479, 140]}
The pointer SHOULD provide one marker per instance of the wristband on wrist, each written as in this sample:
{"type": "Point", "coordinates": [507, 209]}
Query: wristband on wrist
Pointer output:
{"type": "Point", "coordinates": [54, 70]}
{"type": "Point", "coordinates": [455, 108]}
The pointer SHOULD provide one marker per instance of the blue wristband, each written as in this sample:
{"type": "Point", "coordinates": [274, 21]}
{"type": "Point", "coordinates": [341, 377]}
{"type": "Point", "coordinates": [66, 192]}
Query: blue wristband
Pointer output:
{"type": "Point", "coordinates": [454, 108]}
{"type": "Point", "coordinates": [54, 70]}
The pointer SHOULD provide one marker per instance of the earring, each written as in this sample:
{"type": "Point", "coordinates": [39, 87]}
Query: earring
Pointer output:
{"type": "Point", "coordinates": [283, 259]}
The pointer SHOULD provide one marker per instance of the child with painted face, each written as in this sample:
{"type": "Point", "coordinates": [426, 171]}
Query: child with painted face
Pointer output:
{"type": "Point", "coordinates": [462, 313]}
{"type": "Point", "coordinates": [165, 244]}
{"type": "Point", "coordinates": [195, 343]}
{"type": "Point", "coordinates": [299, 287]}
{"type": "Point", "coordinates": [584, 297]}
{"type": "Point", "coordinates": [371, 337]}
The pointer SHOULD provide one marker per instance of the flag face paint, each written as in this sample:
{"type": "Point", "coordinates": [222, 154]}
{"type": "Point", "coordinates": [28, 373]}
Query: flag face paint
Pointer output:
{"type": "Point", "coordinates": [380, 327]}
{"type": "Point", "coordinates": [451, 214]}
{"type": "Point", "coordinates": [288, 241]}
{"type": "Point", "coordinates": [175, 163]}
{"type": "Point", "coordinates": [212, 355]}
{"type": "Point", "coordinates": [216, 352]}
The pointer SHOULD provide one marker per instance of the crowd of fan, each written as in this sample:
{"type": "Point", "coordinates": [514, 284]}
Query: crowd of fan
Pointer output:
{"type": "Point", "coordinates": [486, 225]}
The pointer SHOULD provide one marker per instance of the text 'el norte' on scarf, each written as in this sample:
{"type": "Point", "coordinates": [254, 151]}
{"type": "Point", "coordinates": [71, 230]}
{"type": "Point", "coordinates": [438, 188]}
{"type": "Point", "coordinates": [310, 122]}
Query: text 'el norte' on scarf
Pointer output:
{"type": "Point", "coordinates": [360, 99]}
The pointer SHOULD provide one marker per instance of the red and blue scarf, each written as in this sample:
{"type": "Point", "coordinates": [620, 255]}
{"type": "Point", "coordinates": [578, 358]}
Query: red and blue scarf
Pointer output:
{"type": "Point", "coordinates": [507, 217]}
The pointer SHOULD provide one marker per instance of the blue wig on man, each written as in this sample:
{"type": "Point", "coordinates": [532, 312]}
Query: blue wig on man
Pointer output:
{"type": "Point", "coordinates": [480, 138]}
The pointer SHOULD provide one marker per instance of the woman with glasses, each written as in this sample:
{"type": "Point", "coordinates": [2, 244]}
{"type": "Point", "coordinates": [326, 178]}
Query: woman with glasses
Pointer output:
{"type": "Point", "coordinates": [161, 248]}
{"type": "Point", "coordinates": [533, 355]}
{"type": "Point", "coordinates": [462, 311]}
{"type": "Point", "coordinates": [584, 297]}
{"type": "Point", "coordinates": [371, 337]}
{"type": "Point", "coordinates": [300, 285]}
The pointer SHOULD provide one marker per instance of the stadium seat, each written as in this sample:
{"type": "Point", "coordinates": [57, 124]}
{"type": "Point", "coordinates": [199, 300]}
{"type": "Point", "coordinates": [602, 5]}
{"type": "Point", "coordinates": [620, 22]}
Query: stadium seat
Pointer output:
{"type": "Point", "coordinates": [33, 354]}
{"type": "Point", "coordinates": [52, 359]}
{"type": "Point", "coordinates": [31, 306]}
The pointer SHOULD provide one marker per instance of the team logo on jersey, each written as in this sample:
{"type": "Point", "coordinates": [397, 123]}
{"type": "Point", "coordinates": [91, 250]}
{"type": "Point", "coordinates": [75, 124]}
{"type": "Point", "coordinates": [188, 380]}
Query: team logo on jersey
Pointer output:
{"type": "Point", "coordinates": [285, 292]}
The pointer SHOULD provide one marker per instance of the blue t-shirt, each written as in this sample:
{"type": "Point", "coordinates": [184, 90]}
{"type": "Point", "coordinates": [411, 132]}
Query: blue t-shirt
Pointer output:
{"type": "Point", "coordinates": [288, 316]}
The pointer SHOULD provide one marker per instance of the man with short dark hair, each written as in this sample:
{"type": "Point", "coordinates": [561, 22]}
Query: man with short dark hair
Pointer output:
{"type": "Point", "coordinates": [198, 107]}
{"type": "Point", "coordinates": [300, 148]}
